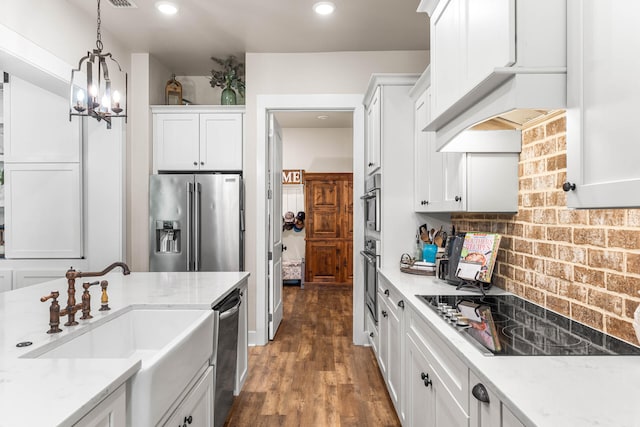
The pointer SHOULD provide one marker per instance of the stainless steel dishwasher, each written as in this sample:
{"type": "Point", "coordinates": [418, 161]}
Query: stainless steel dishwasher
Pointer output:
{"type": "Point", "coordinates": [225, 354]}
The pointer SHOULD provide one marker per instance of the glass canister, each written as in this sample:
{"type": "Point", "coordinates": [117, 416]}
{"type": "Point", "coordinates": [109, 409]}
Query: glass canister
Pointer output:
{"type": "Point", "coordinates": [429, 253]}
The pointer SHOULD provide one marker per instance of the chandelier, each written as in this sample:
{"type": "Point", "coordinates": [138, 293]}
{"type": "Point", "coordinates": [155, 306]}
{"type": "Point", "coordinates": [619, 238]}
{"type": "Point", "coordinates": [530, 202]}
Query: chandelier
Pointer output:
{"type": "Point", "coordinates": [91, 94]}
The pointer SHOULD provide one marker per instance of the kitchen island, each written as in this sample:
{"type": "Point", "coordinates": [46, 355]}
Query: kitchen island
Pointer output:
{"type": "Point", "coordinates": [538, 390]}
{"type": "Point", "coordinates": [52, 392]}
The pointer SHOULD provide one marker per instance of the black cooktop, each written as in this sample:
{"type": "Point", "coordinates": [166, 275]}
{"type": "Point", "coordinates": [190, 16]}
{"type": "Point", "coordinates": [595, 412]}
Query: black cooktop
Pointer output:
{"type": "Point", "coordinates": [527, 329]}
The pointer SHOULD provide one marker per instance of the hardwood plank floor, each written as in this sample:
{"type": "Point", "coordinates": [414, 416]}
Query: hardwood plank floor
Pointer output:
{"type": "Point", "coordinates": [312, 374]}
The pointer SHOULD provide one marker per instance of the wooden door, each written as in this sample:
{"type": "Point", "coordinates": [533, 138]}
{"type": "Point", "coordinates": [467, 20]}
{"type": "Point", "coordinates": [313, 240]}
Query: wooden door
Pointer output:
{"type": "Point", "coordinates": [329, 228]}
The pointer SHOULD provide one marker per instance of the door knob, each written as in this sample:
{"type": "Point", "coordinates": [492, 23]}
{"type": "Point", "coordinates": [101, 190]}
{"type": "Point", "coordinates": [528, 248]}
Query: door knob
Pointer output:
{"type": "Point", "coordinates": [569, 186]}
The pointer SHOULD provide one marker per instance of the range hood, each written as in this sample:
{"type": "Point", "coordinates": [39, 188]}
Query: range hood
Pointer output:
{"type": "Point", "coordinates": [499, 111]}
{"type": "Point", "coordinates": [509, 64]}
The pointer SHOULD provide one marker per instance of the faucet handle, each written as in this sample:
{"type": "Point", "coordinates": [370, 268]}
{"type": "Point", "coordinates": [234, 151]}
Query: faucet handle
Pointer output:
{"type": "Point", "coordinates": [86, 300]}
{"type": "Point", "coordinates": [86, 285]}
{"type": "Point", "coordinates": [54, 312]}
{"type": "Point", "coordinates": [104, 298]}
{"type": "Point", "coordinates": [53, 294]}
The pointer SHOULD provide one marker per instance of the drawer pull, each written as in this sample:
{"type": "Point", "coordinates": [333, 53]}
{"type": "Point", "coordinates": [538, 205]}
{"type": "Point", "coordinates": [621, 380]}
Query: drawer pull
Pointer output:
{"type": "Point", "coordinates": [480, 392]}
{"type": "Point", "coordinates": [386, 292]}
{"type": "Point", "coordinates": [401, 304]}
{"type": "Point", "coordinates": [384, 313]}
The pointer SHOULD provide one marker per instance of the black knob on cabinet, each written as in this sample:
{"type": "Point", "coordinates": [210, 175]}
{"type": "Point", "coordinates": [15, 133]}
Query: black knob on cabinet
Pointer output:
{"type": "Point", "coordinates": [202, 163]}
{"type": "Point", "coordinates": [458, 198]}
{"type": "Point", "coordinates": [370, 164]}
{"type": "Point", "coordinates": [195, 163]}
{"type": "Point", "coordinates": [427, 381]}
{"type": "Point", "coordinates": [401, 304]}
{"type": "Point", "coordinates": [568, 186]}
{"type": "Point", "coordinates": [384, 313]}
{"type": "Point", "coordinates": [386, 292]}
{"type": "Point", "coordinates": [480, 392]}
{"type": "Point", "coordinates": [371, 334]}
{"type": "Point", "coordinates": [284, 248]}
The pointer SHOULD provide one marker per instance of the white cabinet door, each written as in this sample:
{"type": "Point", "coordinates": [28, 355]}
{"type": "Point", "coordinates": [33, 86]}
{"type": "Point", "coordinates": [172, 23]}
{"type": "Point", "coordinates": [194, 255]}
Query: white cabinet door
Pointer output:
{"type": "Point", "coordinates": [374, 337]}
{"type": "Point", "coordinates": [221, 142]}
{"type": "Point", "coordinates": [395, 363]}
{"type": "Point", "coordinates": [603, 91]}
{"type": "Point", "coordinates": [111, 412]}
{"type": "Point", "coordinates": [447, 67]}
{"type": "Point", "coordinates": [490, 37]}
{"type": "Point", "coordinates": [196, 410]}
{"type": "Point", "coordinates": [6, 280]}
{"type": "Point", "coordinates": [383, 327]}
{"type": "Point", "coordinates": [374, 133]}
{"type": "Point", "coordinates": [176, 141]}
{"type": "Point", "coordinates": [419, 398]}
{"type": "Point", "coordinates": [242, 363]}
{"type": "Point", "coordinates": [421, 164]}
{"type": "Point", "coordinates": [44, 210]}
{"type": "Point", "coordinates": [47, 137]}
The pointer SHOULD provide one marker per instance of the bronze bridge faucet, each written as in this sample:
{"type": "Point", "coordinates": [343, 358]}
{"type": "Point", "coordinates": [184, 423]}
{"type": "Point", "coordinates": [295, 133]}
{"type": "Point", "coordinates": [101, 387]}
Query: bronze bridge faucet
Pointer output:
{"type": "Point", "coordinates": [85, 306]}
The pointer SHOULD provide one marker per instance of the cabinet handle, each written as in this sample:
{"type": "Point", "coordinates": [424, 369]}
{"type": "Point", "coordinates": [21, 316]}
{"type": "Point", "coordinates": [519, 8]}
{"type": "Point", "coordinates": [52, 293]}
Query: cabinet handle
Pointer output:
{"type": "Point", "coordinates": [195, 163]}
{"type": "Point", "coordinates": [371, 334]}
{"type": "Point", "coordinates": [202, 163]}
{"type": "Point", "coordinates": [427, 381]}
{"type": "Point", "coordinates": [480, 392]}
{"type": "Point", "coordinates": [569, 186]}
{"type": "Point", "coordinates": [401, 304]}
{"type": "Point", "coordinates": [424, 202]}
{"type": "Point", "coordinates": [187, 420]}
{"type": "Point", "coordinates": [386, 292]}
{"type": "Point", "coordinates": [384, 313]}
{"type": "Point", "coordinates": [458, 198]}
{"type": "Point", "coordinates": [370, 164]}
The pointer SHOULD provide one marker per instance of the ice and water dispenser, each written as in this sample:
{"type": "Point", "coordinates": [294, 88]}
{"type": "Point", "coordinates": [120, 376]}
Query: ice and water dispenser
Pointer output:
{"type": "Point", "coordinates": [167, 236]}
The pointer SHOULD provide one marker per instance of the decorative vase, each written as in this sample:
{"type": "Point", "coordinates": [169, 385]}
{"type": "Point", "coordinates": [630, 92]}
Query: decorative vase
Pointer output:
{"type": "Point", "coordinates": [228, 96]}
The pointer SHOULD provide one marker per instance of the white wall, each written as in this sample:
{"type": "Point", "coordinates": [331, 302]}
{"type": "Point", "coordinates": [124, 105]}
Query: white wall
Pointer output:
{"type": "Point", "coordinates": [301, 74]}
{"type": "Point", "coordinates": [318, 149]}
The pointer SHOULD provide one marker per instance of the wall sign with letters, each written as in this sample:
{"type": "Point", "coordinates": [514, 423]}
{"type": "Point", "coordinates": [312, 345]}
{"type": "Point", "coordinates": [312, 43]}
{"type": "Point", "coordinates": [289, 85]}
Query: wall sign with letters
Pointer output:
{"type": "Point", "coordinates": [292, 176]}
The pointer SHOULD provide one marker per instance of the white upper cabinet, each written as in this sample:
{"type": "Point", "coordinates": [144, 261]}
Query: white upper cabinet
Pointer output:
{"type": "Point", "coordinates": [458, 181]}
{"type": "Point", "coordinates": [47, 136]}
{"type": "Point", "coordinates": [603, 93]}
{"type": "Point", "coordinates": [221, 142]}
{"type": "Point", "coordinates": [197, 139]}
{"type": "Point", "coordinates": [373, 133]}
{"type": "Point", "coordinates": [43, 210]}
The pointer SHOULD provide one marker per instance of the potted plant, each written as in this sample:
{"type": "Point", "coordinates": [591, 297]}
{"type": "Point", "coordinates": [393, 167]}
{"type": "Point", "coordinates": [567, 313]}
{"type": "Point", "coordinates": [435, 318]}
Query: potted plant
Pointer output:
{"type": "Point", "coordinates": [230, 78]}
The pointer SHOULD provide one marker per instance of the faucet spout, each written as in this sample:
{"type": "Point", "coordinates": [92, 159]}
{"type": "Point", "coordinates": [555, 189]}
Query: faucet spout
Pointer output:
{"type": "Point", "coordinates": [73, 274]}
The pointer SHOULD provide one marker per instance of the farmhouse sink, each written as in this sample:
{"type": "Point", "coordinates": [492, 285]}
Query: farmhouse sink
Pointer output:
{"type": "Point", "coordinates": [172, 344]}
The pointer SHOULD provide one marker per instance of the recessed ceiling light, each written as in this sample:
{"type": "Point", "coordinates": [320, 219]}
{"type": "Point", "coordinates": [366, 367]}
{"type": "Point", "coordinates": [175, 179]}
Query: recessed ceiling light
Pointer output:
{"type": "Point", "coordinates": [167, 8]}
{"type": "Point", "coordinates": [324, 8]}
{"type": "Point", "coordinates": [323, 117]}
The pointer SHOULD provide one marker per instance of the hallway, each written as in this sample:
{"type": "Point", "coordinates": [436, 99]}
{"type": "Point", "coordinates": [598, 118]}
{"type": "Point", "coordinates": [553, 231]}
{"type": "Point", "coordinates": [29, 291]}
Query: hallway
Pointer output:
{"type": "Point", "coordinates": [312, 374]}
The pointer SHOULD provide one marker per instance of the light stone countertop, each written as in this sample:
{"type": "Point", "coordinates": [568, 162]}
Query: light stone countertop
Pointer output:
{"type": "Point", "coordinates": [52, 392]}
{"type": "Point", "coordinates": [544, 391]}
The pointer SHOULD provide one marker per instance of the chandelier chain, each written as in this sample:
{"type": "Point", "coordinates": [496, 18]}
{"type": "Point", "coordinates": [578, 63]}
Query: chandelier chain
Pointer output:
{"type": "Point", "coordinates": [98, 35]}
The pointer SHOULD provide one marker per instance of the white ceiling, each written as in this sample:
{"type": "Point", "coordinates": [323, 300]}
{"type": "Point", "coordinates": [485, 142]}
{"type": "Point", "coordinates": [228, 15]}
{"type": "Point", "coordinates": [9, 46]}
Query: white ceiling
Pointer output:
{"type": "Point", "coordinates": [204, 28]}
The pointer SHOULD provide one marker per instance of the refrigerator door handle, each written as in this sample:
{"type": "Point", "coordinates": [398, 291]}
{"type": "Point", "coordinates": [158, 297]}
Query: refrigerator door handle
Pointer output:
{"type": "Point", "coordinates": [189, 223]}
{"type": "Point", "coordinates": [196, 228]}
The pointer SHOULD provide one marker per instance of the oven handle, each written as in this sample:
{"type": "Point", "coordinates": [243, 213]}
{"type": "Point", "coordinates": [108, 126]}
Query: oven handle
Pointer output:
{"type": "Point", "coordinates": [368, 196]}
{"type": "Point", "coordinates": [371, 259]}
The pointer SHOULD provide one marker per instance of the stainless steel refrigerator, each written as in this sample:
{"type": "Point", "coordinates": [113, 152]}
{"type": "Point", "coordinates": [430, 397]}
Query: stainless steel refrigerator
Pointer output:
{"type": "Point", "coordinates": [196, 222]}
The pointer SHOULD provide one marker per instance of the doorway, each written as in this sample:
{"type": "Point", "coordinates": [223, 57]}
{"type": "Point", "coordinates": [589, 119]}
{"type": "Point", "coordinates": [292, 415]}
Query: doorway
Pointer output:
{"type": "Point", "coordinates": [267, 104]}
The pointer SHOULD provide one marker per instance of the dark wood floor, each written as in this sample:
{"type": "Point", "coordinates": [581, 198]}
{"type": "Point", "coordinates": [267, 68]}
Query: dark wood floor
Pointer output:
{"type": "Point", "coordinates": [312, 374]}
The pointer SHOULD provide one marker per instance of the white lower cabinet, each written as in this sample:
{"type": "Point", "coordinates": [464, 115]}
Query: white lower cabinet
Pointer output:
{"type": "Point", "coordinates": [372, 333]}
{"type": "Point", "coordinates": [391, 349]}
{"type": "Point", "coordinates": [242, 362]}
{"type": "Point", "coordinates": [485, 409]}
{"type": "Point", "coordinates": [436, 380]}
{"type": "Point", "coordinates": [111, 412]}
{"type": "Point", "coordinates": [196, 410]}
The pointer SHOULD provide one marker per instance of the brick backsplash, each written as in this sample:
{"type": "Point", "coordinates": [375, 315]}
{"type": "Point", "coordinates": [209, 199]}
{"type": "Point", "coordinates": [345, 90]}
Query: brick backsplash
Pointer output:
{"type": "Point", "coordinates": [584, 264]}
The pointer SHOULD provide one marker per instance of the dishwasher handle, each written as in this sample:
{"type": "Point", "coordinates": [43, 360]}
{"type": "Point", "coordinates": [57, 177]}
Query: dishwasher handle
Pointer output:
{"type": "Point", "coordinates": [230, 312]}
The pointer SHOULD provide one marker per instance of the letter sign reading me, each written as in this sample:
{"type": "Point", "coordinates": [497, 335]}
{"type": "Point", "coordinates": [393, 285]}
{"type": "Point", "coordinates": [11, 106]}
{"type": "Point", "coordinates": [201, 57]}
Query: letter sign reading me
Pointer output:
{"type": "Point", "coordinates": [292, 176]}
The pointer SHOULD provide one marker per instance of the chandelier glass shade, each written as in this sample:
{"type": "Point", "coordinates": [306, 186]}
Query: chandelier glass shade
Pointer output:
{"type": "Point", "coordinates": [91, 92]}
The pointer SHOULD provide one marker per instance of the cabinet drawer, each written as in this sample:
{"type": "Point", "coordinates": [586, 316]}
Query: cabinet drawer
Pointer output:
{"type": "Point", "coordinates": [390, 295]}
{"type": "Point", "coordinates": [453, 373]}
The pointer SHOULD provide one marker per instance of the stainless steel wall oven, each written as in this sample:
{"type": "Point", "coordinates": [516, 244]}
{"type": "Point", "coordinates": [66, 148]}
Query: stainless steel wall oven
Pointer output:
{"type": "Point", "coordinates": [370, 256]}
{"type": "Point", "coordinates": [372, 203]}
